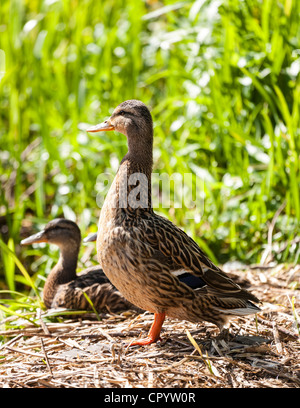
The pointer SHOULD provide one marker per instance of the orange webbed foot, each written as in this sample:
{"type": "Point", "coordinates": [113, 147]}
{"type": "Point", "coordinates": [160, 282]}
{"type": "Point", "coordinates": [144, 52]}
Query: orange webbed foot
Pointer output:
{"type": "Point", "coordinates": [144, 342]}
{"type": "Point", "coordinates": [154, 332]}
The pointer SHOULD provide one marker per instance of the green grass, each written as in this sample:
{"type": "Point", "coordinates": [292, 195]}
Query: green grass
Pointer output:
{"type": "Point", "coordinates": [222, 80]}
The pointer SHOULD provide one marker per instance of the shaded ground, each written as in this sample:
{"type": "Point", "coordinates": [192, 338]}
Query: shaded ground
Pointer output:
{"type": "Point", "coordinates": [261, 351]}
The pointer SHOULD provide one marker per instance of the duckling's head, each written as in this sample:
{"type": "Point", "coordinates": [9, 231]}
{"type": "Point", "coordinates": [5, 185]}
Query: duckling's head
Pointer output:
{"type": "Point", "coordinates": [59, 231]}
{"type": "Point", "coordinates": [131, 118]}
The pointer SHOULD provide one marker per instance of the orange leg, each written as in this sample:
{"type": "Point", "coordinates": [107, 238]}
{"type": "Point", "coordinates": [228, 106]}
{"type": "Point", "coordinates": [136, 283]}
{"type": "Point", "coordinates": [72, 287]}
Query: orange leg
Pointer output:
{"type": "Point", "coordinates": [154, 332]}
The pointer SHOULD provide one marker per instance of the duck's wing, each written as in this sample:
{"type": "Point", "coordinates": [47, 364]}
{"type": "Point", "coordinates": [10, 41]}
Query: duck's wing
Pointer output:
{"type": "Point", "coordinates": [89, 276]}
{"type": "Point", "coordinates": [185, 259]}
{"type": "Point", "coordinates": [91, 285]}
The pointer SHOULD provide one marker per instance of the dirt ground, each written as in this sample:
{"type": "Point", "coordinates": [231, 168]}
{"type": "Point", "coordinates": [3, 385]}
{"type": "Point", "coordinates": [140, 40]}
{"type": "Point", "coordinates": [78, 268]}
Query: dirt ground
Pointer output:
{"type": "Point", "coordinates": [260, 351]}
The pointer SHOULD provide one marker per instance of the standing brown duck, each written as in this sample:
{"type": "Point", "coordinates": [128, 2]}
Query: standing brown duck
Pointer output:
{"type": "Point", "coordinates": [153, 263]}
{"type": "Point", "coordinates": [63, 287]}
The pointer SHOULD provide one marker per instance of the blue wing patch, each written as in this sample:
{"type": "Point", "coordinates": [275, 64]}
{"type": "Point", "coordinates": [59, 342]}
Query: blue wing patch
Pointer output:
{"type": "Point", "coordinates": [192, 281]}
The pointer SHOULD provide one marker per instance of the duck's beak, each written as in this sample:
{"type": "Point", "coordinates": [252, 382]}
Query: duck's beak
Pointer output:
{"type": "Point", "coordinates": [91, 237]}
{"type": "Point", "coordinates": [102, 127]}
{"type": "Point", "coordinates": [34, 239]}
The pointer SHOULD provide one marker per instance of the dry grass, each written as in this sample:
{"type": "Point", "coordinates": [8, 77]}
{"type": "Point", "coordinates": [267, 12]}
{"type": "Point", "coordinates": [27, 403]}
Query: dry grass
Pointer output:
{"type": "Point", "coordinates": [260, 351]}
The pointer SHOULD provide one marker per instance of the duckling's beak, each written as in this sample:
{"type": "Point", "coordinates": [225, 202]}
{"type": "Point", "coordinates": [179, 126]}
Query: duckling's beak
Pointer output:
{"type": "Point", "coordinates": [91, 237]}
{"type": "Point", "coordinates": [34, 239]}
{"type": "Point", "coordinates": [102, 127]}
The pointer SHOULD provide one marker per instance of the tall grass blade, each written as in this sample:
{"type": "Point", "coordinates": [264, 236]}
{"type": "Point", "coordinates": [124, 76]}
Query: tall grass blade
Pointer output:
{"type": "Point", "coordinates": [17, 262]}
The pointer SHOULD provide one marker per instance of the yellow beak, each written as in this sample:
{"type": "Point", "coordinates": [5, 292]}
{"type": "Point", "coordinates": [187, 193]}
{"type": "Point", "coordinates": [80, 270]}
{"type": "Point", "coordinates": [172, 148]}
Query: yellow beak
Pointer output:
{"type": "Point", "coordinates": [102, 127]}
{"type": "Point", "coordinates": [34, 239]}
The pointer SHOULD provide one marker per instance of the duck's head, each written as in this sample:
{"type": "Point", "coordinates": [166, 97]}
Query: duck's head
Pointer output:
{"type": "Point", "coordinates": [59, 231]}
{"type": "Point", "coordinates": [131, 118]}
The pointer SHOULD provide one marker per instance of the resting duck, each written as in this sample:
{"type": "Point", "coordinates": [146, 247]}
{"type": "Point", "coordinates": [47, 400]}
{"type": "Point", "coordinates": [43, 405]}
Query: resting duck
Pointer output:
{"type": "Point", "coordinates": [152, 262]}
{"type": "Point", "coordinates": [63, 288]}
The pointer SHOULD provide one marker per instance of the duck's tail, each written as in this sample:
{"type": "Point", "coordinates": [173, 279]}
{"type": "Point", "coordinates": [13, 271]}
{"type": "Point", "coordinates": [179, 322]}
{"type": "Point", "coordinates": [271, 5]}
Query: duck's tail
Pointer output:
{"type": "Point", "coordinates": [248, 308]}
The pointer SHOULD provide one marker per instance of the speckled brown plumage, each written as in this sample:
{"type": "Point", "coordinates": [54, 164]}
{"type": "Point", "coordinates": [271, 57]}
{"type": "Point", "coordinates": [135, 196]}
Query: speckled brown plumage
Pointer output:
{"type": "Point", "coordinates": [153, 263]}
{"type": "Point", "coordinates": [63, 287]}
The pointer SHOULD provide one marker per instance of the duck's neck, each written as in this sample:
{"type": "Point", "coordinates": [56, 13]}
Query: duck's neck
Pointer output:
{"type": "Point", "coordinates": [63, 272]}
{"type": "Point", "coordinates": [140, 149]}
{"type": "Point", "coordinates": [67, 263]}
{"type": "Point", "coordinates": [134, 178]}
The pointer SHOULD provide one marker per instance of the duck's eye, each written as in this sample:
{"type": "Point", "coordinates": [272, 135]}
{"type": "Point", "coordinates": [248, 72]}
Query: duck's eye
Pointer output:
{"type": "Point", "coordinates": [122, 112]}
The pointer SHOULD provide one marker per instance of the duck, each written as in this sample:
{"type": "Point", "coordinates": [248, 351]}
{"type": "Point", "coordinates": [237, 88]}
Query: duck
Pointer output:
{"type": "Point", "coordinates": [63, 287]}
{"type": "Point", "coordinates": [150, 260]}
